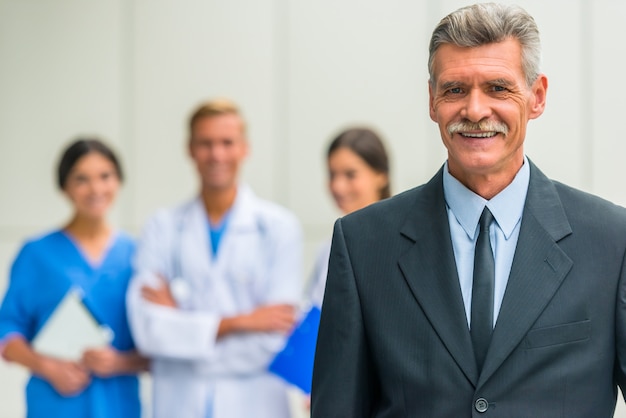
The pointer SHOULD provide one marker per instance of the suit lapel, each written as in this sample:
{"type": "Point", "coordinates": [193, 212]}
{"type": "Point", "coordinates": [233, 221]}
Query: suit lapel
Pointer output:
{"type": "Point", "coordinates": [430, 271]}
{"type": "Point", "coordinates": [538, 269]}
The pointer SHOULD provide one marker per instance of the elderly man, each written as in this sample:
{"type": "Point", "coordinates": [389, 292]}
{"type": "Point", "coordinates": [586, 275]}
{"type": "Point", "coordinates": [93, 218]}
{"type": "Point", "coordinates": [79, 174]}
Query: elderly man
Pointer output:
{"type": "Point", "coordinates": [491, 290]}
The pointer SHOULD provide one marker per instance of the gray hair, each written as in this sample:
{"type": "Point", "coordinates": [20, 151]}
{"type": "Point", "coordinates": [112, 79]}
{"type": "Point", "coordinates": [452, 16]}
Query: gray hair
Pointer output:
{"type": "Point", "coordinates": [486, 23]}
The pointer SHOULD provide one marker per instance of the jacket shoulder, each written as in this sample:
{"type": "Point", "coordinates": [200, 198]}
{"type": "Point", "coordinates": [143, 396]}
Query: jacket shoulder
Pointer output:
{"type": "Point", "coordinates": [386, 214]}
{"type": "Point", "coordinates": [570, 194]}
{"type": "Point", "coordinates": [588, 209]}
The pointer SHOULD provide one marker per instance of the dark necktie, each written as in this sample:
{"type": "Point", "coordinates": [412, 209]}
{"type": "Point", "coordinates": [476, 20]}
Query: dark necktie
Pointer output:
{"type": "Point", "coordinates": [482, 291]}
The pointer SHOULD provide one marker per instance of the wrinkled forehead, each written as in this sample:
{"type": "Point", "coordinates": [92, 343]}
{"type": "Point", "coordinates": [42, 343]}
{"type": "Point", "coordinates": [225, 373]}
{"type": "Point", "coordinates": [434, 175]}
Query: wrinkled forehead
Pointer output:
{"type": "Point", "coordinates": [503, 58]}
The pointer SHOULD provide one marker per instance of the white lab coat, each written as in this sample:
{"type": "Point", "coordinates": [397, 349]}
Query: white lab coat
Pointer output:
{"type": "Point", "coordinates": [258, 262]}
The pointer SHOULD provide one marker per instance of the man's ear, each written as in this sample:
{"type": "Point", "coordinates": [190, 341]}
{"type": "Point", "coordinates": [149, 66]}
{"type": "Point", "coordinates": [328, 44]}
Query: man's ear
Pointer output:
{"type": "Point", "coordinates": [247, 146]}
{"type": "Point", "coordinates": [189, 148]}
{"type": "Point", "coordinates": [538, 101]}
{"type": "Point", "coordinates": [431, 101]}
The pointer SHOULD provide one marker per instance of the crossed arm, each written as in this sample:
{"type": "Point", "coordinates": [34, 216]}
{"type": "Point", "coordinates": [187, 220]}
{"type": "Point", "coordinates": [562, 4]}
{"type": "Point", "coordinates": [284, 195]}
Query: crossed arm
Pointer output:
{"type": "Point", "coordinates": [267, 318]}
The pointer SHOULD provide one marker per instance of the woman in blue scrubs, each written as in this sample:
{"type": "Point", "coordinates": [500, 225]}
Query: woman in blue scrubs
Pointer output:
{"type": "Point", "coordinates": [89, 255]}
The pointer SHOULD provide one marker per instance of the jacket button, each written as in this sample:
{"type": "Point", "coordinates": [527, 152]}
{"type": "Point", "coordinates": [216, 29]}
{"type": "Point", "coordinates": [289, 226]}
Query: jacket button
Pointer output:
{"type": "Point", "coordinates": [481, 405]}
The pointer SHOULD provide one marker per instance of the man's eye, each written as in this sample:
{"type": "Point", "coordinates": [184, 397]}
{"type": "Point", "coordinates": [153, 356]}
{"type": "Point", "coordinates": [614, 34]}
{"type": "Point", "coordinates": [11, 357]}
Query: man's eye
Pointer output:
{"type": "Point", "coordinates": [498, 88]}
{"type": "Point", "coordinates": [201, 144]}
{"type": "Point", "coordinates": [456, 90]}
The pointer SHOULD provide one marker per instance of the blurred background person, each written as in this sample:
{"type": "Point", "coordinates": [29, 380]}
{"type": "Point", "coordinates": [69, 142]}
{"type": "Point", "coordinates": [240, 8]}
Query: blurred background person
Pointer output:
{"type": "Point", "coordinates": [86, 254]}
{"type": "Point", "coordinates": [358, 175]}
{"type": "Point", "coordinates": [217, 279]}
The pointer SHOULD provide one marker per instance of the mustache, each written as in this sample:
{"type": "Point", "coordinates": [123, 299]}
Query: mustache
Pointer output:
{"type": "Point", "coordinates": [483, 125]}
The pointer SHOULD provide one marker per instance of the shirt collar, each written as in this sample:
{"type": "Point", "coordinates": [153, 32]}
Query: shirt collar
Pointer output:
{"type": "Point", "coordinates": [507, 206]}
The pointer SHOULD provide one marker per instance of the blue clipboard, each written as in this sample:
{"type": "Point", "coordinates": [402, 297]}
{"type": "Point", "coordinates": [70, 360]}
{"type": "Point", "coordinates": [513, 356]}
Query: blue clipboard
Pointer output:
{"type": "Point", "coordinates": [295, 362]}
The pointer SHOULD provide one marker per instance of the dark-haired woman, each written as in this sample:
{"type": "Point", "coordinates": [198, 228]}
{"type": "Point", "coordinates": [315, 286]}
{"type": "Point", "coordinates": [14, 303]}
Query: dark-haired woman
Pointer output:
{"type": "Point", "coordinates": [358, 175]}
{"type": "Point", "coordinates": [86, 254]}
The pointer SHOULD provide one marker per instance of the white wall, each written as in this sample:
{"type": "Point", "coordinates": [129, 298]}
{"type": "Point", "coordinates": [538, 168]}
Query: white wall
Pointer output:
{"type": "Point", "coordinates": [131, 70]}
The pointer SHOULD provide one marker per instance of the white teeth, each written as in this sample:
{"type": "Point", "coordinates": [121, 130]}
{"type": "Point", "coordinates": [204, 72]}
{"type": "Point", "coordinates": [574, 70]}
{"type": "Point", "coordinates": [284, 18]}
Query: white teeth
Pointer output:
{"type": "Point", "coordinates": [479, 134]}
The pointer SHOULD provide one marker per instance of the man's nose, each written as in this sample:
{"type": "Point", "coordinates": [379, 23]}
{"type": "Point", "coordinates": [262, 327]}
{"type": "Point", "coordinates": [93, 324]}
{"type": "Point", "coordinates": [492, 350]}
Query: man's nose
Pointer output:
{"type": "Point", "coordinates": [217, 152]}
{"type": "Point", "coordinates": [477, 106]}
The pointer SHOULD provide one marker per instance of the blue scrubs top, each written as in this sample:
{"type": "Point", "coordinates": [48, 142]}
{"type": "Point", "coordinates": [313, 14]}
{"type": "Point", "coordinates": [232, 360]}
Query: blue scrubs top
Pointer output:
{"type": "Point", "coordinates": [43, 271]}
{"type": "Point", "coordinates": [216, 231]}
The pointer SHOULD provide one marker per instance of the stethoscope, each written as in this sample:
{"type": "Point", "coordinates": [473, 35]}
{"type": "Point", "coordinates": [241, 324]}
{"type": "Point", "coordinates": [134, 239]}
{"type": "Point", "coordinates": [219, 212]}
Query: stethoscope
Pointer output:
{"type": "Point", "coordinates": [180, 287]}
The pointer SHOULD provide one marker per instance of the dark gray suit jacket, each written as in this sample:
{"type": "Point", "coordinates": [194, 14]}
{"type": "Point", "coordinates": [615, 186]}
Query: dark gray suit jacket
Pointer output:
{"type": "Point", "coordinates": [394, 340]}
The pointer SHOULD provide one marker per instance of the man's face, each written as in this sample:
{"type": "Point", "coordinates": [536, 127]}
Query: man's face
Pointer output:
{"type": "Point", "coordinates": [218, 147]}
{"type": "Point", "coordinates": [482, 104]}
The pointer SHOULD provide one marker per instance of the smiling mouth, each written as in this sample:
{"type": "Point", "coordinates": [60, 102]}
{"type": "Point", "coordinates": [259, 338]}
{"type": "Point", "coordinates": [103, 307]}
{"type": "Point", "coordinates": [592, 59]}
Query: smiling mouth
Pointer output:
{"type": "Point", "coordinates": [479, 130]}
{"type": "Point", "coordinates": [489, 134]}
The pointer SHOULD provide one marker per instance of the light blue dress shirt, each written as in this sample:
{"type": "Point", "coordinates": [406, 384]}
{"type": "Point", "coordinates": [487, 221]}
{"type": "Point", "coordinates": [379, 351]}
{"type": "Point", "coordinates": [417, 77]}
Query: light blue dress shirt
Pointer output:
{"type": "Point", "coordinates": [464, 210]}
